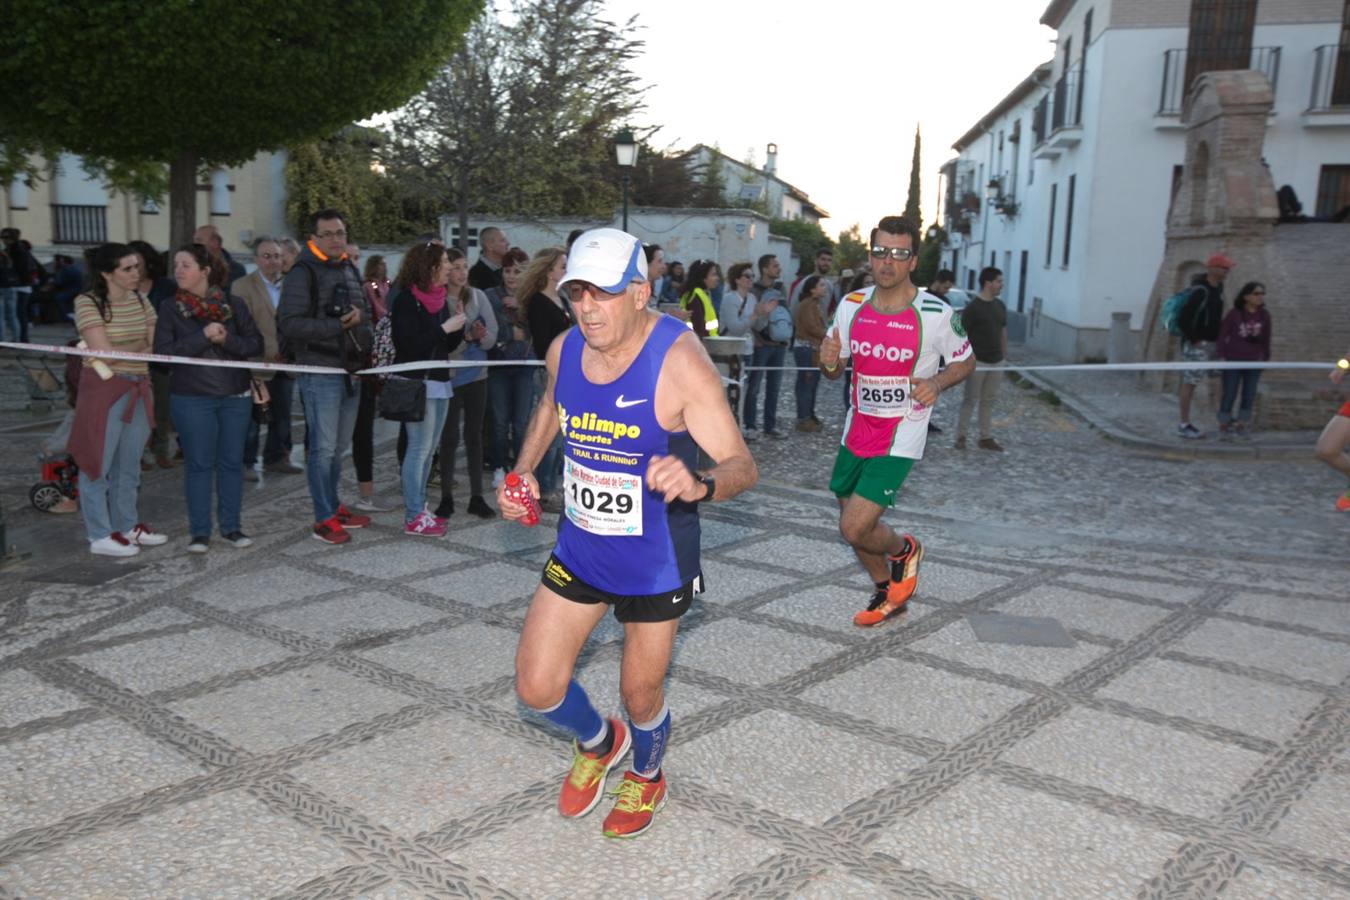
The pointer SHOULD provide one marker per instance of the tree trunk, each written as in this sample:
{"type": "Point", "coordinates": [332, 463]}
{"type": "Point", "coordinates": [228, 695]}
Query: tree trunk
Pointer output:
{"type": "Point", "coordinates": [464, 209]}
{"type": "Point", "coordinates": [182, 199]}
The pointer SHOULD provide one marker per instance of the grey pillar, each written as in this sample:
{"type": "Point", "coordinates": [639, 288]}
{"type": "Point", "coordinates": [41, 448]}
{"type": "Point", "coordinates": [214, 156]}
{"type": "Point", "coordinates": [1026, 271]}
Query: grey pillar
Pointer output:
{"type": "Point", "coordinates": [1118, 348]}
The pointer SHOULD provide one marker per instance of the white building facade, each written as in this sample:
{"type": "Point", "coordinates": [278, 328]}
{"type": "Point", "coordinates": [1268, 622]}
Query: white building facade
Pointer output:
{"type": "Point", "coordinates": [1066, 184]}
{"type": "Point", "coordinates": [752, 185]}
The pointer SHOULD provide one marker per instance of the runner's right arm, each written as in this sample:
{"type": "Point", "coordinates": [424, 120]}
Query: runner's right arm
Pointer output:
{"type": "Point", "coordinates": [539, 435]}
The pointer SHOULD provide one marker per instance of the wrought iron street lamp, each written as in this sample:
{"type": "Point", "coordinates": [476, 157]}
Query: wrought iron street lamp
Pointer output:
{"type": "Point", "coordinates": [625, 152]}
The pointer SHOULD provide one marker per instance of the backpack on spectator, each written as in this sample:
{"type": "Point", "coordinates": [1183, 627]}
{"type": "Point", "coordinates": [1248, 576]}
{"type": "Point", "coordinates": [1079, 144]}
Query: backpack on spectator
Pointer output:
{"type": "Point", "coordinates": [1171, 310]}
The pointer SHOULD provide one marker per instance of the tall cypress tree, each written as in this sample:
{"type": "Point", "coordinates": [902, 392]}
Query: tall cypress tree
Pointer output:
{"type": "Point", "coordinates": [912, 211]}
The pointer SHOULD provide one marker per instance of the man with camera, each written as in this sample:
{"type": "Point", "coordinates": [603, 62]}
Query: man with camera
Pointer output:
{"type": "Point", "coordinates": [323, 321]}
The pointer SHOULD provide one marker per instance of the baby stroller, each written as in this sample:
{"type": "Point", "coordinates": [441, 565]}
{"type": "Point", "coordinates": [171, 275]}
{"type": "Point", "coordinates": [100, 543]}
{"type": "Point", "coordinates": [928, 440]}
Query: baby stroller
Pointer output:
{"type": "Point", "coordinates": [60, 482]}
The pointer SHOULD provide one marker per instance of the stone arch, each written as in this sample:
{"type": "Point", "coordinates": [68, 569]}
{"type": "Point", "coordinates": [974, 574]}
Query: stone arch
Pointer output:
{"type": "Point", "coordinates": [1199, 178]}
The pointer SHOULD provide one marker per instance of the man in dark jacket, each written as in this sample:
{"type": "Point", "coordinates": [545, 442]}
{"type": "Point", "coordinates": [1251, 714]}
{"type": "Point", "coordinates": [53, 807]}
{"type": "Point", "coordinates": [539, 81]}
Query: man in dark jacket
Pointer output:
{"type": "Point", "coordinates": [323, 321]}
{"type": "Point", "coordinates": [1199, 322]}
{"type": "Point", "coordinates": [22, 267]}
{"type": "Point", "coordinates": [486, 274]}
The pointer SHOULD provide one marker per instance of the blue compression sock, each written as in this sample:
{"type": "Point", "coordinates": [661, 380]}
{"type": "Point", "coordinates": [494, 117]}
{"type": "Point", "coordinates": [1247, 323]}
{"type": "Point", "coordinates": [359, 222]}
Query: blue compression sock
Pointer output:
{"type": "Point", "coordinates": [649, 743]}
{"type": "Point", "coordinates": [575, 713]}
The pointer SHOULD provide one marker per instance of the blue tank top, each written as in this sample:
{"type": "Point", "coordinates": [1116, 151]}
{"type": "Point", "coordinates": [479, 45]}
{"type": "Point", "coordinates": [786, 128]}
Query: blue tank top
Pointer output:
{"type": "Point", "coordinates": [615, 534]}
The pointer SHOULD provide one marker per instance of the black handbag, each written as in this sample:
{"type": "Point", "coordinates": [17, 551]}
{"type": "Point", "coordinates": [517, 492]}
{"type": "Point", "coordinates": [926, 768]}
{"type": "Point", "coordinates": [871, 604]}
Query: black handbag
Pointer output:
{"type": "Point", "coordinates": [403, 399]}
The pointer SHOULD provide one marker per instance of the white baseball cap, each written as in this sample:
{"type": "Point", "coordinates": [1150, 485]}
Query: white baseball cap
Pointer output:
{"type": "Point", "coordinates": [608, 258]}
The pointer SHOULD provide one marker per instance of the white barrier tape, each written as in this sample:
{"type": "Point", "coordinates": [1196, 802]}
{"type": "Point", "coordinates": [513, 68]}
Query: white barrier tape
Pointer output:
{"type": "Point", "coordinates": [1176, 366]}
{"type": "Point", "coordinates": [265, 366]}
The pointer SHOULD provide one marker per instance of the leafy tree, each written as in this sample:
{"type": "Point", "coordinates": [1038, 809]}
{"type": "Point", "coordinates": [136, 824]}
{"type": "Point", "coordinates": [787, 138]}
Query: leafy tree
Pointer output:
{"type": "Point", "coordinates": [850, 251]}
{"type": "Point", "coordinates": [711, 192]}
{"type": "Point", "coordinates": [522, 117]}
{"type": "Point", "coordinates": [131, 87]}
{"type": "Point", "coordinates": [912, 210]}
{"type": "Point", "coordinates": [930, 257]}
{"type": "Point", "coordinates": [661, 178]}
{"type": "Point", "coordinates": [338, 172]}
{"type": "Point", "coordinates": [807, 239]}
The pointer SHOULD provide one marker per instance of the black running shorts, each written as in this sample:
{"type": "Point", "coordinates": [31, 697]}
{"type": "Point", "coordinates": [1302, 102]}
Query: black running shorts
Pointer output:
{"type": "Point", "coordinates": [642, 608]}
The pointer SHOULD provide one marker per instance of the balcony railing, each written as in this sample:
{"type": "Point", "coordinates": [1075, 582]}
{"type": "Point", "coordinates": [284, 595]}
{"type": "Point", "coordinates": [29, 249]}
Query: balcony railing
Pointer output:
{"type": "Point", "coordinates": [1331, 78]}
{"type": "Point", "coordinates": [1181, 67]}
{"type": "Point", "coordinates": [79, 224]}
{"type": "Point", "coordinates": [1068, 104]}
{"type": "Point", "coordinates": [1039, 120]}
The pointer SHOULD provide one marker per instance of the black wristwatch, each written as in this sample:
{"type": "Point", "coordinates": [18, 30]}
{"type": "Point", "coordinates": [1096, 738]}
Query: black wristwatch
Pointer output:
{"type": "Point", "coordinates": [712, 488]}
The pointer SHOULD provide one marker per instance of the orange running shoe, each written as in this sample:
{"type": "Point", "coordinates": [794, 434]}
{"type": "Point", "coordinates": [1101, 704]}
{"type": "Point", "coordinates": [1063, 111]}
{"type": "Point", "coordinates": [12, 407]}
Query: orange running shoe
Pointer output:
{"type": "Point", "coordinates": [904, 579]}
{"type": "Point", "coordinates": [1343, 501]}
{"type": "Point", "coordinates": [639, 800]}
{"type": "Point", "coordinates": [586, 782]}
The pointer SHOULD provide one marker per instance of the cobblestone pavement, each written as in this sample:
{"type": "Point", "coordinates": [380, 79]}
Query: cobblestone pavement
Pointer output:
{"type": "Point", "coordinates": [303, 721]}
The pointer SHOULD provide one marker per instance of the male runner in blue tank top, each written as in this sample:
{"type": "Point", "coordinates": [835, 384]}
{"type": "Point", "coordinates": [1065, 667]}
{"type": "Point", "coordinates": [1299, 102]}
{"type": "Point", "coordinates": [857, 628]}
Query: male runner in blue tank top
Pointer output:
{"type": "Point", "coordinates": [636, 396]}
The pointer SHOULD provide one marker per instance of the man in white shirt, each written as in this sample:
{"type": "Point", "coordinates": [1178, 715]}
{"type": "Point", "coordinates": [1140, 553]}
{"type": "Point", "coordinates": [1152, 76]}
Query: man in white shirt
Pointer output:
{"type": "Point", "coordinates": [261, 291]}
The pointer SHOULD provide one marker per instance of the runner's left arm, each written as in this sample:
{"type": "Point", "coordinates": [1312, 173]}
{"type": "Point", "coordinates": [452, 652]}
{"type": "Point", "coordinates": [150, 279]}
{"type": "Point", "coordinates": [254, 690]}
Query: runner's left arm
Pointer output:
{"type": "Point", "coordinates": [955, 347]}
{"type": "Point", "coordinates": [708, 418]}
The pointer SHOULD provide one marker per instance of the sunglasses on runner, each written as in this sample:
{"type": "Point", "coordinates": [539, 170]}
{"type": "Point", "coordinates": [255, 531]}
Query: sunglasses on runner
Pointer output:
{"type": "Point", "coordinates": [899, 253]}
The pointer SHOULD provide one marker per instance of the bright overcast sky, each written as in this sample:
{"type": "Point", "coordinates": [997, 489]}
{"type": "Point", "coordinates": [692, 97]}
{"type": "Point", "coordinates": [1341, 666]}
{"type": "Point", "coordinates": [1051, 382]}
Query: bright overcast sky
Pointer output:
{"type": "Point", "coordinates": [838, 86]}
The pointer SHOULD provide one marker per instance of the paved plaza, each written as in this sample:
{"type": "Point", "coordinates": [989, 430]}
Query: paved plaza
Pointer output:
{"type": "Point", "coordinates": [303, 721]}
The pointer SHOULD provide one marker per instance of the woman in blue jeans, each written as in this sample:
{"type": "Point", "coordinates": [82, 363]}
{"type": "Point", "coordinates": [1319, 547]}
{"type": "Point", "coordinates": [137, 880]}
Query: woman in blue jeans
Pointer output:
{"type": "Point", "coordinates": [425, 324]}
{"type": "Point", "coordinates": [510, 388]}
{"type": "Point", "coordinates": [211, 406]}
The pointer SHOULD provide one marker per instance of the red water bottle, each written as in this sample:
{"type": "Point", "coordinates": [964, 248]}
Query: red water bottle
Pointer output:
{"type": "Point", "coordinates": [518, 491]}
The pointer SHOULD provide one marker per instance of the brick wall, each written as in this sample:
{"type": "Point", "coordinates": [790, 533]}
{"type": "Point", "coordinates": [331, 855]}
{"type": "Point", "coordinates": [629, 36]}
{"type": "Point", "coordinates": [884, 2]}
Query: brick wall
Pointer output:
{"type": "Point", "coordinates": [1150, 13]}
{"type": "Point", "coordinates": [1177, 13]}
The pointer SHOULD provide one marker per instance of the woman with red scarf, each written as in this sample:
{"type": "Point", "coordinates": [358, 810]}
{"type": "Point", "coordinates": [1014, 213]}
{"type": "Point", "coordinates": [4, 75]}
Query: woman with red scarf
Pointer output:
{"type": "Point", "coordinates": [210, 405]}
{"type": "Point", "coordinates": [426, 324]}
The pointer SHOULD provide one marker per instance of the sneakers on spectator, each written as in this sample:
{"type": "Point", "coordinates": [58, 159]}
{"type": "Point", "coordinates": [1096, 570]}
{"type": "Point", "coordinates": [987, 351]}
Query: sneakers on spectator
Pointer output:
{"type": "Point", "coordinates": [142, 536]}
{"type": "Point", "coordinates": [639, 800]}
{"type": "Point", "coordinates": [808, 425]}
{"type": "Point", "coordinates": [237, 539]}
{"type": "Point", "coordinates": [199, 544]}
{"type": "Point", "coordinates": [586, 782]}
{"type": "Point", "coordinates": [1189, 432]}
{"type": "Point", "coordinates": [371, 504]}
{"type": "Point", "coordinates": [750, 434]}
{"type": "Point", "coordinates": [425, 525]}
{"type": "Point", "coordinates": [774, 433]}
{"type": "Point", "coordinates": [349, 520]}
{"type": "Point", "coordinates": [904, 579]}
{"type": "Point", "coordinates": [113, 545]}
{"type": "Point", "coordinates": [445, 509]}
{"type": "Point", "coordinates": [330, 531]}
{"type": "Point", "coordinates": [478, 507]}
{"type": "Point", "coordinates": [959, 443]}
{"type": "Point", "coordinates": [990, 444]}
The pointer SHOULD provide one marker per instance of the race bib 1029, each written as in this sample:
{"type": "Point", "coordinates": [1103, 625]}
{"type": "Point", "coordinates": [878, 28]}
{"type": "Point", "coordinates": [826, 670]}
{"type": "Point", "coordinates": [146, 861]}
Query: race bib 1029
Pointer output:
{"type": "Point", "coordinates": [604, 503]}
